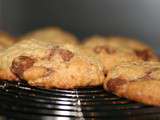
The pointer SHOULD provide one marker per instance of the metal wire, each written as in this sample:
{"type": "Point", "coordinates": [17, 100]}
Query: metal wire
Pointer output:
{"type": "Point", "coordinates": [18, 100]}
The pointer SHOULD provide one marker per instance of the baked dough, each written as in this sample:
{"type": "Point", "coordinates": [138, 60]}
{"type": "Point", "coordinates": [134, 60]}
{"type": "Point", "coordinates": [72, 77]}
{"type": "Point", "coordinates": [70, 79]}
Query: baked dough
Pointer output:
{"type": "Point", "coordinates": [109, 54]}
{"type": "Point", "coordinates": [50, 66]}
{"type": "Point", "coordinates": [54, 35]}
{"type": "Point", "coordinates": [141, 49]}
{"type": "Point", "coordinates": [138, 81]}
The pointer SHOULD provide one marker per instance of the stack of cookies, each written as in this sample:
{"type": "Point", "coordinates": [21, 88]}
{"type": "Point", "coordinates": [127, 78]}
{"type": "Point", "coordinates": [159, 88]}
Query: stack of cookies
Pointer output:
{"type": "Point", "coordinates": [54, 58]}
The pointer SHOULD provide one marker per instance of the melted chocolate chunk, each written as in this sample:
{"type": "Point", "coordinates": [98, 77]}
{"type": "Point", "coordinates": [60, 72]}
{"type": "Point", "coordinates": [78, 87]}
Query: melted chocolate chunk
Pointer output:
{"type": "Point", "coordinates": [20, 64]}
{"type": "Point", "coordinates": [114, 84]}
{"type": "Point", "coordinates": [66, 54]}
{"type": "Point", "coordinates": [144, 54]}
{"type": "Point", "coordinates": [107, 49]}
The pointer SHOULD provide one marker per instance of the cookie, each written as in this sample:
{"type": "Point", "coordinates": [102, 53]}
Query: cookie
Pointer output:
{"type": "Point", "coordinates": [141, 49]}
{"type": "Point", "coordinates": [109, 54]}
{"type": "Point", "coordinates": [7, 55]}
{"type": "Point", "coordinates": [53, 35]}
{"type": "Point", "coordinates": [6, 40]}
{"type": "Point", "coordinates": [51, 66]}
{"type": "Point", "coordinates": [138, 81]}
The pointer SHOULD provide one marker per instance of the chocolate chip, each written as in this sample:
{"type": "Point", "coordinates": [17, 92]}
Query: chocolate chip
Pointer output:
{"type": "Point", "coordinates": [66, 54]}
{"type": "Point", "coordinates": [20, 64]}
{"type": "Point", "coordinates": [148, 74]}
{"type": "Point", "coordinates": [105, 48]}
{"type": "Point", "coordinates": [50, 53]}
{"type": "Point", "coordinates": [114, 84]}
{"type": "Point", "coordinates": [144, 54]}
{"type": "Point", "coordinates": [145, 77]}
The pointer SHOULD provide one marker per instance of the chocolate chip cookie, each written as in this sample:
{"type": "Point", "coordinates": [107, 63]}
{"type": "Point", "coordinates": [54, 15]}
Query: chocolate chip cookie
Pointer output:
{"type": "Point", "coordinates": [53, 35]}
{"type": "Point", "coordinates": [138, 81]}
{"type": "Point", "coordinates": [109, 54]}
{"type": "Point", "coordinates": [141, 49]}
{"type": "Point", "coordinates": [50, 66]}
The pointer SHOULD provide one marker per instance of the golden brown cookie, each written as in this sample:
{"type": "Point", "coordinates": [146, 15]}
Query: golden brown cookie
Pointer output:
{"type": "Point", "coordinates": [50, 66]}
{"type": "Point", "coordinates": [141, 49]}
{"type": "Point", "coordinates": [138, 81]}
{"type": "Point", "coordinates": [109, 54]}
{"type": "Point", "coordinates": [6, 40]}
{"type": "Point", "coordinates": [53, 35]}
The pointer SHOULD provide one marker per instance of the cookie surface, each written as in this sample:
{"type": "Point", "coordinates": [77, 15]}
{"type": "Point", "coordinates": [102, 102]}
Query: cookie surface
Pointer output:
{"type": "Point", "coordinates": [138, 81]}
{"type": "Point", "coordinates": [49, 66]}
{"type": "Point", "coordinates": [6, 40]}
{"type": "Point", "coordinates": [109, 54]}
{"type": "Point", "coordinates": [53, 35]}
{"type": "Point", "coordinates": [141, 49]}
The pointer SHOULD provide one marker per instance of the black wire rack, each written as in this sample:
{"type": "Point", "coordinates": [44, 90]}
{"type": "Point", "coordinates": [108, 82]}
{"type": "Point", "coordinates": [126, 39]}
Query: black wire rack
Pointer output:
{"type": "Point", "coordinates": [21, 101]}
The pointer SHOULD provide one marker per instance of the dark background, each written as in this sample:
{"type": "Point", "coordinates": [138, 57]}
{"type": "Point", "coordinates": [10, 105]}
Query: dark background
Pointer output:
{"type": "Point", "coordinates": [135, 18]}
